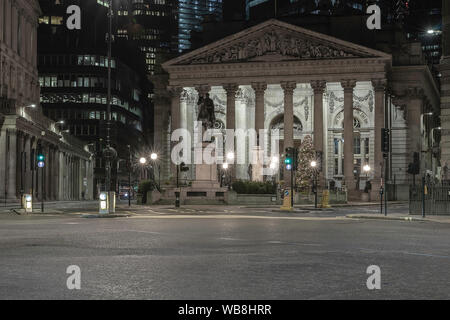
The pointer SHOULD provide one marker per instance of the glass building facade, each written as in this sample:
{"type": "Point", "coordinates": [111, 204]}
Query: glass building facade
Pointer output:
{"type": "Point", "coordinates": [190, 17]}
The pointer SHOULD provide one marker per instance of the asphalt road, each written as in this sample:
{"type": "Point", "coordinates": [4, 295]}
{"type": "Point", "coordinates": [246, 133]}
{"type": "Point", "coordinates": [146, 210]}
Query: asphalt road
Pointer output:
{"type": "Point", "coordinates": [246, 254]}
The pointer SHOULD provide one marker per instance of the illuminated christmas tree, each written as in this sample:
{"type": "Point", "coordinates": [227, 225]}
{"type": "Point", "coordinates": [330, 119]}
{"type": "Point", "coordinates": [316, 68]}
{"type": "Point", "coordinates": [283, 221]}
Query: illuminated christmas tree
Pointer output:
{"type": "Point", "coordinates": [305, 173]}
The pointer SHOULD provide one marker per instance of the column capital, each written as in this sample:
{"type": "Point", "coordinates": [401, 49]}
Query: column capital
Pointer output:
{"type": "Point", "coordinates": [231, 89]}
{"type": "Point", "coordinates": [202, 89]}
{"type": "Point", "coordinates": [288, 86]}
{"type": "Point", "coordinates": [174, 91]}
{"type": "Point", "coordinates": [415, 93]}
{"type": "Point", "coordinates": [379, 84]}
{"type": "Point", "coordinates": [259, 87]}
{"type": "Point", "coordinates": [318, 86]}
{"type": "Point", "coordinates": [348, 85]}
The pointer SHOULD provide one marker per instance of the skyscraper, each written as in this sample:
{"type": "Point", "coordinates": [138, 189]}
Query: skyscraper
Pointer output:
{"type": "Point", "coordinates": [190, 16]}
{"type": "Point", "coordinates": [73, 68]}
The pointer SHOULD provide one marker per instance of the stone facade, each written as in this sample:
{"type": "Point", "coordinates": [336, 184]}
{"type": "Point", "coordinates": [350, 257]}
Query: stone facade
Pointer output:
{"type": "Point", "coordinates": [279, 76]}
{"type": "Point", "coordinates": [23, 127]}
{"type": "Point", "coordinates": [445, 92]}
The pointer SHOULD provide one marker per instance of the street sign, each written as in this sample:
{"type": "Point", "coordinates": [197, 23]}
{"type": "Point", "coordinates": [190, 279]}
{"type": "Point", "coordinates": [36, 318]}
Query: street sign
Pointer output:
{"type": "Point", "coordinates": [41, 164]}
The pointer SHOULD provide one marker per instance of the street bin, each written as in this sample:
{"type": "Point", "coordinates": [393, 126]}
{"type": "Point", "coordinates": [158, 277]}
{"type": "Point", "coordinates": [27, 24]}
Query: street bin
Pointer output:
{"type": "Point", "coordinates": [27, 203]}
{"type": "Point", "coordinates": [107, 202]}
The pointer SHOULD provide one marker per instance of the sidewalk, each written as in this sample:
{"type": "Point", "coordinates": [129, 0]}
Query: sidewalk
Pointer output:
{"type": "Point", "coordinates": [400, 217]}
{"type": "Point", "coordinates": [337, 205]}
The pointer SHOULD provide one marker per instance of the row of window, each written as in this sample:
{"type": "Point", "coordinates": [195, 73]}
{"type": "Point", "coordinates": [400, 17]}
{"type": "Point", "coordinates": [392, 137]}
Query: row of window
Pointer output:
{"type": "Point", "coordinates": [53, 20]}
{"type": "Point", "coordinates": [53, 98]}
{"type": "Point", "coordinates": [80, 60]}
{"type": "Point", "coordinates": [71, 114]}
{"type": "Point", "coordinates": [149, 13]}
{"type": "Point", "coordinates": [77, 81]}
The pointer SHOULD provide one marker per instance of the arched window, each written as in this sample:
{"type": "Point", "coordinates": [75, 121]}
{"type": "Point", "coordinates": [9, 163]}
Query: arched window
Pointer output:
{"type": "Point", "coordinates": [278, 124]}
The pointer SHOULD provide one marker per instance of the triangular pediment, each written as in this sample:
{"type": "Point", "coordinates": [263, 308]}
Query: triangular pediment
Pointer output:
{"type": "Point", "coordinates": [273, 41]}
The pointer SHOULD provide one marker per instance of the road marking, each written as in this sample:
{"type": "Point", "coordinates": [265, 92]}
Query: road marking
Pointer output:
{"type": "Point", "coordinates": [137, 231]}
{"type": "Point", "coordinates": [231, 239]}
{"type": "Point", "coordinates": [240, 217]}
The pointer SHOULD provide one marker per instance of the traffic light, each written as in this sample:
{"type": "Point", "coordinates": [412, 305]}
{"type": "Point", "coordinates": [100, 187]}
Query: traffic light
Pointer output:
{"type": "Point", "coordinates": [183, 167]}
{"type": "Point", "coordinates": [385, 140]}
{"type": "Point", "coordinates": [289, 159]}
{"type": "Point", "coordinates": [40, 158]}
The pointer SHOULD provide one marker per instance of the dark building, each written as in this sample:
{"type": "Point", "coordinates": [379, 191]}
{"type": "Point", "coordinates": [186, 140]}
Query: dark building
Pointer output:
{"type": "Point", "coordinates": [263, 9]}
{"type": "Point", "coordinates": [151, 25]}
{"type": "Point", "coordinates": [73, 75]}
{"type": "Point", "coordinates": [191, 14]}
{"type": "Point", "coordinates": [424, 24]}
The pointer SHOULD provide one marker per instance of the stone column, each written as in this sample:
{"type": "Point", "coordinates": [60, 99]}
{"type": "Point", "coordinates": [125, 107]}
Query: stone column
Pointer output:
{"type": "Point", "coordinates": [340, 157]}
{"type": "Point", "coordinates": [8, 17]}
{"type": "Point", "coordinates": [175, 93]}
{"type": "Point", "coordinates": [14, 17]}
{"type": "Point", "coordinates": [231, 90]}
{"type": "Point", "coordinates": [414, 116]}
{"type": "Point", "coordinates": [379, 86]}
{"type": "Point", "coordinates": [3, 162]}
{"type": "Point", "coordinates": [47, 170]}
{"type": "Point", "coordinates": [2, 22]}
{"type": "Point", "coordinates": [348, 86]}
{"type": "Point", "coordinates": [318, 88]}
{"type": "Point", "coordinates": [260, 90]}
{"type": "Point", "coordinates": [288, 88]}
{"type": "Point", "coordinates": [20, 167]}
{"type": "Point", "coordinates": [12, 163]}
{"type": "Point", "coordinates": [27, 164]}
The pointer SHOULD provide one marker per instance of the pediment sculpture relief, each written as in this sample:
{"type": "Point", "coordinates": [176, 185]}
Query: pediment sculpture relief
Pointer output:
{"type": "Point", "coordinates": [273, 42]}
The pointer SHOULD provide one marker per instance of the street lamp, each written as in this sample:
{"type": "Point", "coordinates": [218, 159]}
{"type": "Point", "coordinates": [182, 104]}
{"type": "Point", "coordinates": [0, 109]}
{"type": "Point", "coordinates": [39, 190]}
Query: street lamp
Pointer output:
{"type": "Point", "coordinates": [143, 162]}
{"type": "Point", "coordinates": [109, 152]}
{"type": "Point", "coordinates": [314, 167]}
{"type": "Point", "coordinates": [154, 156]}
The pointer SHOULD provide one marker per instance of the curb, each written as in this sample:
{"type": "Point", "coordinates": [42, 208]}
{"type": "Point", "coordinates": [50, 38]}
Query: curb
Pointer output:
{"type": "Point", "coordinates": [106, 216]}
{"type": "Point", "coordinates": [351, 216]}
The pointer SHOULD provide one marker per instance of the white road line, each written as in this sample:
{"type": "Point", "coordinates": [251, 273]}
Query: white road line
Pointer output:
{"type": "Point", "coordinates": [240, 217]}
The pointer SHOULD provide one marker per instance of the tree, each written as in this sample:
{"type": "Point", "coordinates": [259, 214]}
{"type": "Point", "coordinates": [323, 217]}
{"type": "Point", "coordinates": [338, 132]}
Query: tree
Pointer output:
{"type": "Point", "coordinates": [305, 173]}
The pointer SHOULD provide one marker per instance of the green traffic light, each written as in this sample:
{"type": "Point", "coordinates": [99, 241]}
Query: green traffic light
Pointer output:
{"type": "Point", "coordinates": [288, 161]}
{"type": "Point", "coordinates": [41, 157]}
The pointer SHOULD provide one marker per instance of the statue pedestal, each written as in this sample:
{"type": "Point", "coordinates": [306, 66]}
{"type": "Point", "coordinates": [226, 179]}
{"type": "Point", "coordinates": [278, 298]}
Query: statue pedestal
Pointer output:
{"type": "Point", "coordinates": [205, 174]}
{"type": "Point", "coordinates": [205, 177]}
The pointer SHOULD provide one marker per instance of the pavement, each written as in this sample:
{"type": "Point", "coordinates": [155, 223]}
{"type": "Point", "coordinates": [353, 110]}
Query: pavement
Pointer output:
{"type": "Point", "coordinates": [222, 252]}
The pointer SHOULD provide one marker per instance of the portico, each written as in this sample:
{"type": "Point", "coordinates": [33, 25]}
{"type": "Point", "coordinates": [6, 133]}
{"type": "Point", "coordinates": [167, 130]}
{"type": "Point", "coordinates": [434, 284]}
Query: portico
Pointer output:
{"type": "Point", "coordinates": [276, 75]}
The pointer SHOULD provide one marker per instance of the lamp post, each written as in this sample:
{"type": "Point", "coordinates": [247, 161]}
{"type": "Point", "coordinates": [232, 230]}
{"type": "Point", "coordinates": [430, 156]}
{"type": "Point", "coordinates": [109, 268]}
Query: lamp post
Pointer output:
{"type": "Point", "coordinates": [432, 147]}
{"type": "Point", "coordinates": [109, 153]}
{"type": "Point", "coordinates": [130, 161]}
{"type": "Point", "coordinates": [143, 162]}
{"type": "Point", "coordinates": [154, 157]}
{"type": "Point", "coordinates": [367, 169]}
{"type": "Point", "coordinates": [225, 167]}
{"type": "Point", "coordinates": [314, 167]}
{"type": "Point", "coordinates": [230, 160]}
